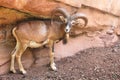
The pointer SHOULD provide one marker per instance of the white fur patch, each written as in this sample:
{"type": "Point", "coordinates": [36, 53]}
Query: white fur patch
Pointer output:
{"type": "Point", "coordinates": [43, 29]}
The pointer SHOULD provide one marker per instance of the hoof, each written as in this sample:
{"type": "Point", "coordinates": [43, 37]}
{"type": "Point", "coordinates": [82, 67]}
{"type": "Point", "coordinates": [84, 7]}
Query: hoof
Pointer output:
{"type": "Point", "coordinates": [53, 67]}
{"type": "Point", "coordinates": [13, 71]}
{"type": "Point", "coordinates": [23, 72]}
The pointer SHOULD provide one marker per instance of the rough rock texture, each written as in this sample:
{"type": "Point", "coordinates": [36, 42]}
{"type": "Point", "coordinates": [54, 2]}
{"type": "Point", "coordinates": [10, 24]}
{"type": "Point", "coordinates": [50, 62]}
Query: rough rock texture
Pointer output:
{"type": "Point", "coordinates": [102, 30]}
{"type": "Point", "coordinates": [110, 6]}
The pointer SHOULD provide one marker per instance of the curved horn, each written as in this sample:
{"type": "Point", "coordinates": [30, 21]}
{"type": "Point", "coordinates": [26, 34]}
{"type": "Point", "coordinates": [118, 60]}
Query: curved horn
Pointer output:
{"type": "Point", "coordinates": [56, 12]}
{"type": "Point", "coordinates": [62, 11]}
{"type": "Point", "coordinates": [80, 16]}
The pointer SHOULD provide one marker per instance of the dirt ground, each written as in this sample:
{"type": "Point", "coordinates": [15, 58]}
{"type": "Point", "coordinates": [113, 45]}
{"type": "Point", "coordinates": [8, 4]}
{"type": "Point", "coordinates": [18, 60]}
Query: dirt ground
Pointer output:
{"type": "Point", "coordinates": [90, 64]}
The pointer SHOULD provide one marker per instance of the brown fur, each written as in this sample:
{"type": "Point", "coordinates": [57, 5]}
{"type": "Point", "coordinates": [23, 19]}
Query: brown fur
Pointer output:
{"type": "Point", "coordinates": [35, 34]}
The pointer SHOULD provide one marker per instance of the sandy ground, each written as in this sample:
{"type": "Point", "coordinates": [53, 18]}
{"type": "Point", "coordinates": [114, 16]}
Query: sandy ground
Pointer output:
{"type": "Point", "coordinates": [90, 64]}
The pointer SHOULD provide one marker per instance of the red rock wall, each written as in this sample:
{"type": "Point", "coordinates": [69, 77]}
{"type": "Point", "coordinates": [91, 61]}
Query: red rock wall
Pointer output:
{"type": "Point", "coordinates": [102, 29]}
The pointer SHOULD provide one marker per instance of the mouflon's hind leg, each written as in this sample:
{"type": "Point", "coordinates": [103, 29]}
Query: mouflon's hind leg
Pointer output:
{"type": "Point", "coordinates": [18, 58]}
{"type": "Point", "coordinates": [12, 68]}
{"type": "Point", "coordinates": [13, 54]}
